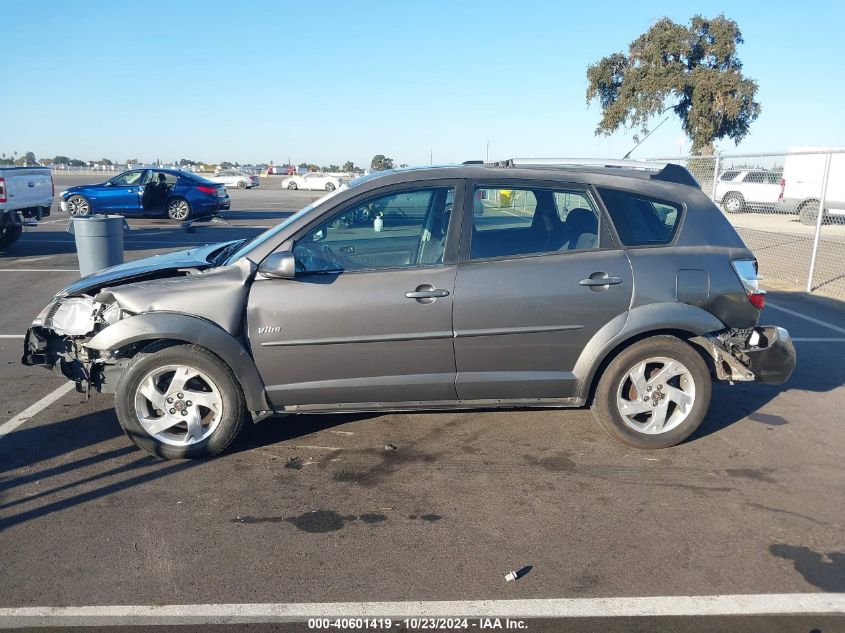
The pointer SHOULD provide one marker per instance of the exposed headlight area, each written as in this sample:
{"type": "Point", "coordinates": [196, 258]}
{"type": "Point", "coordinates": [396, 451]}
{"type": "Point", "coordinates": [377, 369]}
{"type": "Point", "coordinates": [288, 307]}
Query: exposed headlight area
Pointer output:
{"type": "Point", "coordinates": [80, 316]}
{"type": "Point", "coordinates": [72, 317]}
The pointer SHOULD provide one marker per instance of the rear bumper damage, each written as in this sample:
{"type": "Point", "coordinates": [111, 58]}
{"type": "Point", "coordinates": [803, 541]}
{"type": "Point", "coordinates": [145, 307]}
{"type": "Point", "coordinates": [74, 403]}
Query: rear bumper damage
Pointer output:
{"type": "Point", "coordinates": [764, 353]}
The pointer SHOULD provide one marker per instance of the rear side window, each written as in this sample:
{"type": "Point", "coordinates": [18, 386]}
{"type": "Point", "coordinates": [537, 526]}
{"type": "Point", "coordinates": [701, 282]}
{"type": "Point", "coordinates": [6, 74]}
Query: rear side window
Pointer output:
{"type": "Point", "coordinates": [641, 220]}
{"type": "Point", "coordinates": [729, 175]}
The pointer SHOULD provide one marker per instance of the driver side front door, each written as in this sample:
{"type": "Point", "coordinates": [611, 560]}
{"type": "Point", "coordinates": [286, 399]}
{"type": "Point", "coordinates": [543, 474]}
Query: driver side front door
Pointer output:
{"type": "Point", "coordinates": [368, 318]}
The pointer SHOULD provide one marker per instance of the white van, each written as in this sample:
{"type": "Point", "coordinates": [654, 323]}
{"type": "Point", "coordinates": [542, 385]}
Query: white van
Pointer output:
{"type": "Point", "coordinates": [801, 186]}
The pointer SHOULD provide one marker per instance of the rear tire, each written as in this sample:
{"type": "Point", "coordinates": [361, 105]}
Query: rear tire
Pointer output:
{"type": "Point", "coordinates": [676, 387]}
{"type": "Point", "coordinates": [178, 209]}
{"type": "Point", "coordinates": [733, 203]}
{"type": "Point", "coordinates": [241, 184]}
{"type": "Point", "coordinates": [292, 185]}
{"type": "Point", "coordinates": [152, 375]}
{"type": "Point", "coordinates": [330, 186]}
{"type": "Point", "coordinates": [9, 233]}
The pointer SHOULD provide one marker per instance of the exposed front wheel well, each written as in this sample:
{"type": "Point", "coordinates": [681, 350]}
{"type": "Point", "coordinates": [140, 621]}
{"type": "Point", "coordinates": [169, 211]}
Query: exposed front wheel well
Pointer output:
{"type": "Point", "coordinates": [683, 335]}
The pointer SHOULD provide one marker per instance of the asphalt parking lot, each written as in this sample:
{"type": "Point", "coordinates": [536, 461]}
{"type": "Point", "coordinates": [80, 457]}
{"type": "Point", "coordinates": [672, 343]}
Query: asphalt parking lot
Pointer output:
{"type": "Point", "coordinates": [414, 507]}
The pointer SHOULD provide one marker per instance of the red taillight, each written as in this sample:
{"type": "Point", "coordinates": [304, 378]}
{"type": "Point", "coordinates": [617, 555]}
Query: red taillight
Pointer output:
{"type": "Point", "coordinates": [758, 300]}
{"type": "Point", "coordinates": [746, 270]}
{"type": "Point", "coordinates": [2, 190]}
{"type": "Point", "coordinates": [212, 191]}
{"type": "Point", "coordinates": [782, 188]}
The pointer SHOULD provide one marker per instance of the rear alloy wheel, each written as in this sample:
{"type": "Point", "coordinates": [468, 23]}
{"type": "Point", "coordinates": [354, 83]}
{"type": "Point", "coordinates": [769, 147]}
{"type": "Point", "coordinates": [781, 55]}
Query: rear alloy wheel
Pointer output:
{"type": "Point", "coordinates": [734, 203]}
{"type": "Point", "coordinates": [330, 186]}
{"type": "Point", "coordinates": [241, 184]}
{"type": "Point", "coordinates": [654, 394]}
{"type": "Point", "coordinates": [809, 213]}
{"type": "Point", "coordinates": [178, 401]}
{"type": "Point", "coordinates": [292, 185]}
{"type": "Point", "coordinates": [78, 206]}
{"type": "Point", "coordinates": [178, 209]}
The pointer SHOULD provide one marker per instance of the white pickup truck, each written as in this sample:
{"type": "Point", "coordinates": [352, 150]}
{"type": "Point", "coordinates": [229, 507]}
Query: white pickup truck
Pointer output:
{"type": "Point", "coordinates": [25, 192]}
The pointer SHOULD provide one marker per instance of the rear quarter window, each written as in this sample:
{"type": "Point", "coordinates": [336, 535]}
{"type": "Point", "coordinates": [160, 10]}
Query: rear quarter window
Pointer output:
{"type": "Point", "coordinates": [641, 220]}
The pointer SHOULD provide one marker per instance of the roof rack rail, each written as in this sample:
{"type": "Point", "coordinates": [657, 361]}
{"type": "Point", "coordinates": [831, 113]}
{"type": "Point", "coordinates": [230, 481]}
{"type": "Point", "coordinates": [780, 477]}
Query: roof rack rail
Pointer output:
{"type": "Point", "coordinates": [669, 172]}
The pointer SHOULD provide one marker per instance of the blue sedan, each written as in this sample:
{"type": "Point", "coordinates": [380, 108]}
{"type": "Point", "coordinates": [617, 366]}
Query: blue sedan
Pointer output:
{"type": "Point", "coordinates": [177, 194]}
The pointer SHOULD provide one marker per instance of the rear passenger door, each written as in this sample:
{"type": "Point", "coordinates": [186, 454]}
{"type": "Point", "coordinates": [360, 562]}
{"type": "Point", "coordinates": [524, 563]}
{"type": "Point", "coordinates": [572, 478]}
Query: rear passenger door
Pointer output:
{"type": "Point", "coordinates": [539, 275]}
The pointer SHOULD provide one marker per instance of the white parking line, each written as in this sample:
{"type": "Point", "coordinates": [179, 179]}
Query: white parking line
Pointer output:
{"type": "Point", "coordinates": [819, 340]}
{"type": "Point", "coordinates": [12, 335]}
{"type": "Point", "coordinates": [656, 606]}
{"type": "Point", "coordinates": [806, 318]}
{"type": "Point", "coordinates": [39, 270]}
{"type": "Point", "coordinates": [35, 409]}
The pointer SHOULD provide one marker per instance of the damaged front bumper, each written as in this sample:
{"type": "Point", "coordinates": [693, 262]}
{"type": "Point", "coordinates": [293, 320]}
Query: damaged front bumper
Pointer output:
{"type": "Point", "coordinates": [765, 353]}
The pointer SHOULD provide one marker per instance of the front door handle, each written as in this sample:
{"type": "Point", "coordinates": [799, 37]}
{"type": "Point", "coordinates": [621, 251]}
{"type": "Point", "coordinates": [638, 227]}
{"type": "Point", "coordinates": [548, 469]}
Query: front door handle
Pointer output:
{"type": "Point", "coordinates": [426, 293]}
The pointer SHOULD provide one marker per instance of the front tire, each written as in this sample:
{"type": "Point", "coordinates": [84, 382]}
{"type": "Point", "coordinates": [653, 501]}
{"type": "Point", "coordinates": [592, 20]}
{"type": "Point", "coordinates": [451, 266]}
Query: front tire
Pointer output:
{"type": "Point", "coordinates": [292, 185]}
{"type": "Point", "coordinates": [734, 203]}
{"type": "Point", "coordinates": [330, 186]}
{"type": "Point", "coordinates": [78, 206]}
{"type": "Point", "coordinates": [178, 209]}
{"type": "Point", "coordinates": [654, 394]}
{"type": "Point", "coordinates": [241, 184]}
{"type": "Point", "coordinates": [179, 401]}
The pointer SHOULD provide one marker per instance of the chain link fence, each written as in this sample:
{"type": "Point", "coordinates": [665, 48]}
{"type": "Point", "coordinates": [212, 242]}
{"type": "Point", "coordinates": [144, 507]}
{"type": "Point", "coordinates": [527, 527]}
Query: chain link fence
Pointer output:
{"type": "Point", "coordinates": [773, 201]}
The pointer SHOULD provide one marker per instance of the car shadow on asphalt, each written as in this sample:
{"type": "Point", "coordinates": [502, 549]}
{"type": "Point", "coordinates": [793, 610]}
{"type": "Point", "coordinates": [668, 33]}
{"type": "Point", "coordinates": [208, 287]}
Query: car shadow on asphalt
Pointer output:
{"type": "Point", "coordinates": [66, 483]}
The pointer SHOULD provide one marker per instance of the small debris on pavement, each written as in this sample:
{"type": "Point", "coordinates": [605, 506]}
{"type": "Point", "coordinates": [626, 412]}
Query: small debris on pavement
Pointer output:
{"type": "Point", "coordinates": [389, 447]}
{"type": "Point", "coordinates": [294, 463]}
{"type": "Point", "coordinates": [520, 573]}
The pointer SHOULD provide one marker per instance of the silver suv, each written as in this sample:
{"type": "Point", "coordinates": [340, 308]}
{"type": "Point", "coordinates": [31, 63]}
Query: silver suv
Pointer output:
{"type": "Point", "coordinates": [616, 286]}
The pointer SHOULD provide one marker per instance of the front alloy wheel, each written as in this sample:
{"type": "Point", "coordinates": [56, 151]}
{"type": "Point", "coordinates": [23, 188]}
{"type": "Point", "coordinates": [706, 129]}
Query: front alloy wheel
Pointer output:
{"type": "Point", "coordinates": [292, 185]}
{"type": "Point", "coordinates": [178, 401]}
{"type": "Point", "coordinates": [78, 206]}
{"type": "Point", "coordinates": [178, 405]}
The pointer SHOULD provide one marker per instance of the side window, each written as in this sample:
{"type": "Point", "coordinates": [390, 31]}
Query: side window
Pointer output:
{"type": "Point", "coordinates": [641, 220]}
{"type": "Point", "coordinates": [729, 175]}
{"type": "Point", "coordinates": [128, 179]}
{"type": "Point", "coordinates": [773, 177]}
{"type": "Point", "coordinates": [397, 230]}
{"type": "Point", "coordinates": [754, 177]}
{"type": "Point", "coordinates": [514, 222]}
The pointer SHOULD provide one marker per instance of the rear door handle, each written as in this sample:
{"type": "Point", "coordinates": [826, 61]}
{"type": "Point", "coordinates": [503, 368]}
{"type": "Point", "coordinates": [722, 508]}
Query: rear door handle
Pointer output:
{"type": "Point", "coordinates": [600, 279]}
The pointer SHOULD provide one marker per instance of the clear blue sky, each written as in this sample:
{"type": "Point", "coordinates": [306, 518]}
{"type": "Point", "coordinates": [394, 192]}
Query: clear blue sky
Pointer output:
{"type": "Point", "coordinates": [327, 82]}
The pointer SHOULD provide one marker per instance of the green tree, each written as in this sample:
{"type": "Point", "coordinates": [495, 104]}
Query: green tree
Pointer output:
{"type": "Point", "coordinates": [348, 166]}
{"type": "Point", "coordinates": [75, 162]}
{"type": "Point", "coordinates": [27, 159]}
{"type": "Point", "coordinates": [61, 160]}
{"type": "Point", "coordinates": [305, 165]}
{"type": "Point", "coordinates": [226, 165]}
{"type": "Point", "coordinates": [691, 70]}
{"type": "Point", "coordinates": [380, 162]}
{"type": "Point", "coordinates": [313, 167]}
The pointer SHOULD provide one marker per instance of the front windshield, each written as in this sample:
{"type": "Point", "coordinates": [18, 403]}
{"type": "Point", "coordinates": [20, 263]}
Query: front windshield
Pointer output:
{"type": "Point", "coordinates": [249, 245]}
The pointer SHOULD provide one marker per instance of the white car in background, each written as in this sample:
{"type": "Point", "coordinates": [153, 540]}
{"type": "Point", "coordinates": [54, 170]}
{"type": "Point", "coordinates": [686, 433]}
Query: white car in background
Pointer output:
{"type": "Point", "coordinates": [235, 178]}
{"type": "Point", "coordinates": [741, 190]}
{"type": "Point", "coordinates": [312, 180]}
